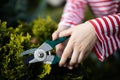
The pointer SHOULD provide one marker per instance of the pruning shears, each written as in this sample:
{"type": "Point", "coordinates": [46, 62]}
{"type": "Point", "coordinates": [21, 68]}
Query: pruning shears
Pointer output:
{"type": "Point", "coordinates": [43, 54]}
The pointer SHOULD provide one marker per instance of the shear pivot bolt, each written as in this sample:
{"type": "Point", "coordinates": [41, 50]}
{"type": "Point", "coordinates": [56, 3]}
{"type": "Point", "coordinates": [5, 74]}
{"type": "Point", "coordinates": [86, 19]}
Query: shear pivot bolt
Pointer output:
{"type": "Point", "coordinates": [41, 55]}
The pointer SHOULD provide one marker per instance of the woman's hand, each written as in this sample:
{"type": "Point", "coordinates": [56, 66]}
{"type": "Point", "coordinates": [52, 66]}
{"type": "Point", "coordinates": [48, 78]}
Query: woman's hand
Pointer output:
{"type": "Point", "coordinates": [81, 42]}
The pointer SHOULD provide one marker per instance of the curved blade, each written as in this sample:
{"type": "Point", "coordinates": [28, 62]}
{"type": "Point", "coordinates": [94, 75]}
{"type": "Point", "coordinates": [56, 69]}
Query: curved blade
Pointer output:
{"type": "Point", "coordinates": [33, 61]}
{"type": "Point", "coordinates": [28, 51]}
{"type": "Point", "coordinates": [27, 59]}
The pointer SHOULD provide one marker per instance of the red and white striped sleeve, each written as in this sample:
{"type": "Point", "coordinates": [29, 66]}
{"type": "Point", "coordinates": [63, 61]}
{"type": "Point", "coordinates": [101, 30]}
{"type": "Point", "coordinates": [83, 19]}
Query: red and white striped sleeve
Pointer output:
{"type": "Point", "coordinates": [108, 31]}
{"type": "Point", "coordinates": [73, 13]}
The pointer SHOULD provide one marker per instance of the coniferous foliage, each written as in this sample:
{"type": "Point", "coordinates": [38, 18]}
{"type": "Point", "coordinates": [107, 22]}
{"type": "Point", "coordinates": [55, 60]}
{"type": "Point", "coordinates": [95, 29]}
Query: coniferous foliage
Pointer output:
{"type": "Point", "coordinates": [13, 41]}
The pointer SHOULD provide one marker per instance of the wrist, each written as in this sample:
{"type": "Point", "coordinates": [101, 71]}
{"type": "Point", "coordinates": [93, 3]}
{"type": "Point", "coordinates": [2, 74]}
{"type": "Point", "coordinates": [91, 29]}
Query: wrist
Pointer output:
{"type": "Point", "coordinates": [92, 29]}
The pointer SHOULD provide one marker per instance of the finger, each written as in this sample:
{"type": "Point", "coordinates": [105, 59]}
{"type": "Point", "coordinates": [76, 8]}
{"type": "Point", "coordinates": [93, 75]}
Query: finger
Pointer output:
{"type": "Point", "coordinates": [66, 53]}
{"type": "Point", "coordinates": [86, 55]}
{"type": "Point", "coordinates": [66, 32]}
{"type": "Point", "coordinates": [55, 35]}
{"type": "Point", "coordinates": [70, 67]}
{"type": "Point", "coordinates": [59, 49]}
{"type": "Point", "coordinates": [75, 56]}
{"type": "Point", "coordinates": [81, 56]}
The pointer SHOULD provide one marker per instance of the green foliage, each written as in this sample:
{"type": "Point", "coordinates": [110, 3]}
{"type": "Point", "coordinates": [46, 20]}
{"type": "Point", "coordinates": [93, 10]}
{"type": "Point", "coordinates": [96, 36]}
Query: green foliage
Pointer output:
{"type": "Point", "coordinates": [11, 47]}
{"type": "Point", "coordinates": [46, 70]}
{"type": "Point", "coordinates": [12, 43]}
{"type": "Point", "coordinates": [43, 28]}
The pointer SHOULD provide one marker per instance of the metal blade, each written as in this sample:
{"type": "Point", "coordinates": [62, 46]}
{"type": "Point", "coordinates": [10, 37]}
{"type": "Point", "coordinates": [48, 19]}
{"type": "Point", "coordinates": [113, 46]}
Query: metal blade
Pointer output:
{"type": "Point", "coordinates": [33, 61]}
{"type": "Point", "coordinates": [46, 47]}
{"type": "Point", "coordinates": [51, 59]}
{"type": "Point", "coordinates": [39, 56]}
{"type": "Point", "coordinates": [27, 59]}
{"type": "Point", "coordinates": [28, 51]}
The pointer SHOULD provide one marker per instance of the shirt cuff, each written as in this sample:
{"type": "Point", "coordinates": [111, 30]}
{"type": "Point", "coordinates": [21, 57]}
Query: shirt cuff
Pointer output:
{"type": "Point", "coordinates": [107, 31]}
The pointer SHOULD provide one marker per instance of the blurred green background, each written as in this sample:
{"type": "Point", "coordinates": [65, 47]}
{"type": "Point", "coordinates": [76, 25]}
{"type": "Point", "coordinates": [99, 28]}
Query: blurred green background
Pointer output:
{"type": "Point", "coordinates": [26, 24]}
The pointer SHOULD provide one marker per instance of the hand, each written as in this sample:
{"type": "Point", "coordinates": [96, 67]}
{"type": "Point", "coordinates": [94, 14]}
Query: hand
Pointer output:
{"type": "Point", "coordinates": [60, 47]}
{"type": "Point", "coordinates": [80, 44]}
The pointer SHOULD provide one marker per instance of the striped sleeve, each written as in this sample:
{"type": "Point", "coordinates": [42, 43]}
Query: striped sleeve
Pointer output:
{"type": "Point", "coordinates": [108, 31]}
{"type": "Point", "coordinates": [73, 13]}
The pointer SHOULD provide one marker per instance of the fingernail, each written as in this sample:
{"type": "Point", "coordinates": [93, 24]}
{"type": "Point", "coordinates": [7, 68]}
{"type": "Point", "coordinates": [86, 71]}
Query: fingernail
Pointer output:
{"type": "Point", "coordinates": [70, 67]}
{"type": "Point", "coordinates": [60, 65]}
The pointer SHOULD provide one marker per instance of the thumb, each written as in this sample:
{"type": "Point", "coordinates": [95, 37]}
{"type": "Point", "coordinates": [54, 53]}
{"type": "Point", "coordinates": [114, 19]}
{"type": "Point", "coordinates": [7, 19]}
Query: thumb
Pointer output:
{"type": "Point", "coordinates": [55, 35]}
{"type": "Point", "coordinates": [66, 32]}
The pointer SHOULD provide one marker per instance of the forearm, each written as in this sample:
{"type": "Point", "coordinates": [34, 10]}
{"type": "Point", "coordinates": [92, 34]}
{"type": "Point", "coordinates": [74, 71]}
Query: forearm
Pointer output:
{"type": "Point", "coordinates": [73, 13]}
{"type": "Point", "coordinates": [108, 32]}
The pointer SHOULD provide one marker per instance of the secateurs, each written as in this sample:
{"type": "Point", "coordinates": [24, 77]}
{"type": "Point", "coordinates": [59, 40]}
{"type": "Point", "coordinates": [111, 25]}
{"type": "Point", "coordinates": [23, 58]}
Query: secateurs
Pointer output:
{"type": "Point", "coordinates": [42, 53]}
